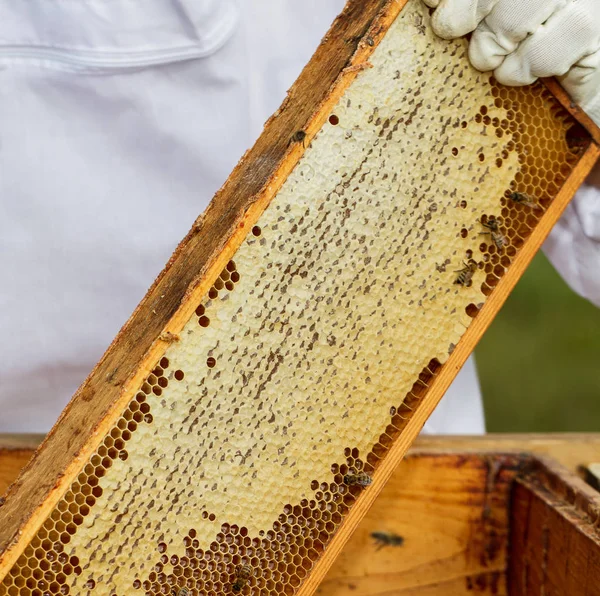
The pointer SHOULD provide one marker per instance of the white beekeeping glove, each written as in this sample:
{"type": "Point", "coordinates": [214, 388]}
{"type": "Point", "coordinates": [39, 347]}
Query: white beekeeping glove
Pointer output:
{"type": "Point", "coordinates": [521, 40]}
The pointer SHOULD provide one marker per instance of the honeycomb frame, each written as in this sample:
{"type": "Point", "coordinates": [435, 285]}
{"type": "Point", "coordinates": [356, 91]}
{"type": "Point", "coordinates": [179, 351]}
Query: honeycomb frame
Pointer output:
{"type": "Point", "coordinates": [50, 507]}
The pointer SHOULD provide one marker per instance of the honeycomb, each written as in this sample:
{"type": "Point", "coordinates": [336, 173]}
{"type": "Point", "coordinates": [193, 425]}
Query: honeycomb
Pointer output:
{"type": "Point", "coordinates": [228, 470]}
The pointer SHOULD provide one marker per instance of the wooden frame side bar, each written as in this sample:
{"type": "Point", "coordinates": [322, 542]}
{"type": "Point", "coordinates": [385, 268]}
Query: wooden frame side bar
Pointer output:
{"type": "Point", "coordinates": [561, 95]}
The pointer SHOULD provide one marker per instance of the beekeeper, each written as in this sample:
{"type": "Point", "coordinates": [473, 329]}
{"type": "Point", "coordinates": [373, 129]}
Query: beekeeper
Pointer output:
{"type": "Point", "coordinates": [119, 120]}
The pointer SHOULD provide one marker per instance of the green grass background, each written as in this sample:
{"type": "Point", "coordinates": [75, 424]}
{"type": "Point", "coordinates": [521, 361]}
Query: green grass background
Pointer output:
{"type": "Point", "coordinates": [539, 362]}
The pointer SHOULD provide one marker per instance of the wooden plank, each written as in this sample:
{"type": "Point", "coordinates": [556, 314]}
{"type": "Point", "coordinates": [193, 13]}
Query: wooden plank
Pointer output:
{"type": "Point", "coordinates": [15, 452]}
{"type": "Point", "coordinates": [491, 584]}
{"type": "Point", "coordinates": [555, 538]}
{"type": "Point", "coordinates": [437, 501]}
{"type": "Point", "coordinates": [571, 450]}
{"type": "Point", "coordinates": [346, 290]}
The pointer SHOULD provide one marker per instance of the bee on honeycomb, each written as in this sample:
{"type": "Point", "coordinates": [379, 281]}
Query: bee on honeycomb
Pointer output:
{"type": "Point", "coordinates": [243, 574]}
{"type": "Point", "coordinates": [494, 231]}
{"type": "Point", "coordinates": [360, 479]}
{"type": "Point", "coordinates": [524, 199]}
{"type": "Point", "coordinates": [465, 275]}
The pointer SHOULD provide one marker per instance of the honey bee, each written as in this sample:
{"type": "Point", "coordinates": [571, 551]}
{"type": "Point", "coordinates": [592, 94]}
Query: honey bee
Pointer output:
{"type": "Point", "coordinates": [420, 25]}
{"type": "Point", "coordinates": [298, 137]}
{"type": "Point", "coordinates": [494, 231]}
{"type": "Point", "coordinates": [465, 275]}
{"type": "Point", "coordinates": [386, 539]}
{"type": "Point", "coordinates": [360, 479]}
{"type": "Point", "coordinates": [358, 67]}
{"type": "Point", "coordinates": [181, 592]}
{"type": "Point", "coordinates": [524, 199]}
{"type": "Point", "coordinates": [242, 575]}
{"type": "Point", "coordinates": [168, 337]}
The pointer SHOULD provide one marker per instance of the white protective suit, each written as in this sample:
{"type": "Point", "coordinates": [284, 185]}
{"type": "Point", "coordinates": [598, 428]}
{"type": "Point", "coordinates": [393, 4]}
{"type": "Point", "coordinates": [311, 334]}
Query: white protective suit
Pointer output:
{"type": "Point", "coordinates": [118, 122]}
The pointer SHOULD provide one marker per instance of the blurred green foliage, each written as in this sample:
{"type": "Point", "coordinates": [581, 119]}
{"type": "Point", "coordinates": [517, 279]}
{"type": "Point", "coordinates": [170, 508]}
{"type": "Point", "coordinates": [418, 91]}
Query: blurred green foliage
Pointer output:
{"type": "Point", "coordinates": [539, 362]}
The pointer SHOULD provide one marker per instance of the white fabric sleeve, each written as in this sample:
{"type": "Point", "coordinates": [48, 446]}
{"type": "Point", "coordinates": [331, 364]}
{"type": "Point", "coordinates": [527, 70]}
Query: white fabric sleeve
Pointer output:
{"type": "Point", "coordinates": [573, 245]}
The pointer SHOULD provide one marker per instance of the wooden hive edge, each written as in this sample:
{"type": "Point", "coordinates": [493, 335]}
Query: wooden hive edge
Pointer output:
{"type": "Point", "coordinates": [463, 555]}
{"type": "Point", "coordinates": [561, 95]}
{"type": "Point", "coordinates": [557, 485]}
{"type": "Point", "coordinates": [423, 489]}
{"type": "Point", "coordinates": [555, 533]}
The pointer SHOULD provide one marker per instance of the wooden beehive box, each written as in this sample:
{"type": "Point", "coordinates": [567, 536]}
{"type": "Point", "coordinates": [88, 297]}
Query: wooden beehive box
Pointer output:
{"type": "Point", "coordinates": [304, 329]}
{"type": "Point", "coordinates": [479, 516]}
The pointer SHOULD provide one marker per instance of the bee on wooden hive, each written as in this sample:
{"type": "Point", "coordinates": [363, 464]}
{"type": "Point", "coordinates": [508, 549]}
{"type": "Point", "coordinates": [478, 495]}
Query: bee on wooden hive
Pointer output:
{"type": "Point", "coordinates": [494, 231]}
{"type": "Point", "coordinates": [242, 575]}
{"type": "Point", "coordinates": [524, 199]}
{"type": "Point", "coordinates": [298, 137]}
{"type": "Point", "coordinates": [386, 539]}
{"type": "Point", "coordinates": [465, 275]}
{"type": "Point", "coordinates": [360, 479]}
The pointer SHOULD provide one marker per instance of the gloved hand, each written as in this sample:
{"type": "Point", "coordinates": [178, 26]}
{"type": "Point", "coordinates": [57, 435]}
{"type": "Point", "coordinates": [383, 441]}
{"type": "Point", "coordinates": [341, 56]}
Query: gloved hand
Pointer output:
{"type": "Point", "coordinates": [521, 40]}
